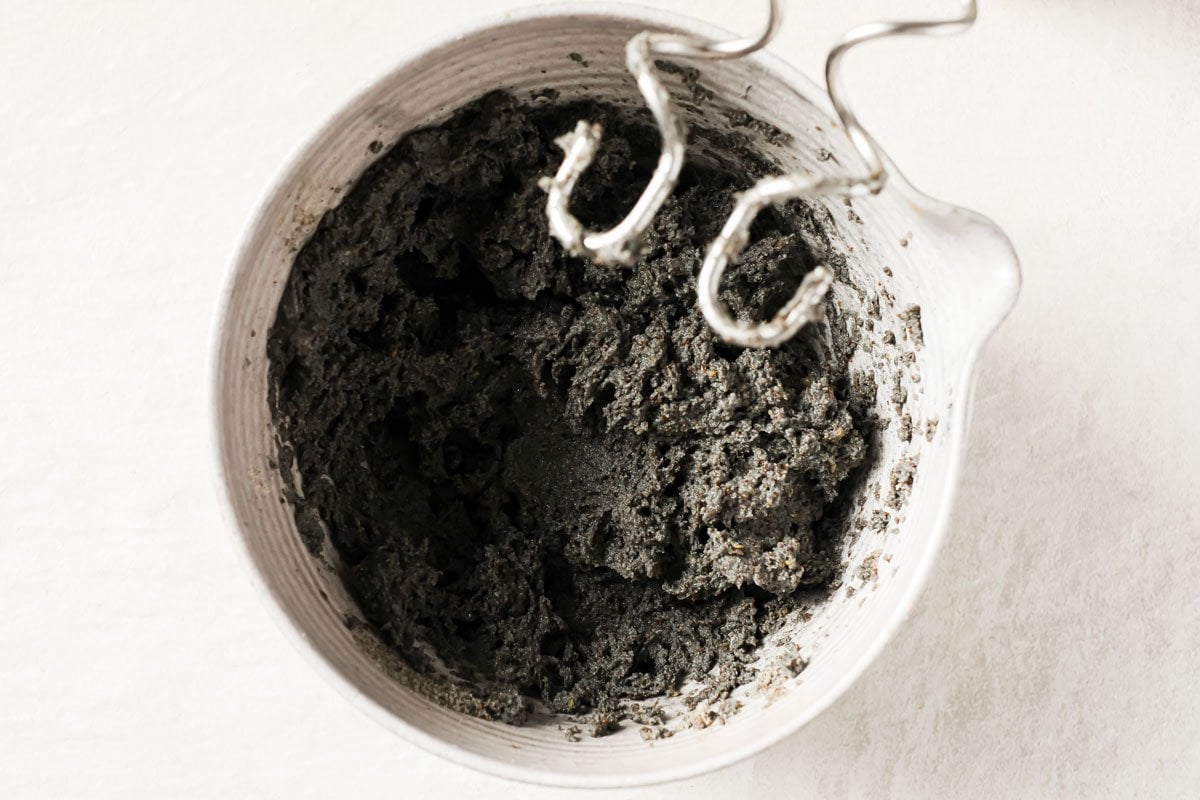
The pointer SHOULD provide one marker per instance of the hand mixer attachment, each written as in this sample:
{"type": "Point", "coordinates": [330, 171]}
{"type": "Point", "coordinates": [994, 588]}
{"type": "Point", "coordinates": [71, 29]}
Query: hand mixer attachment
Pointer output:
{"type": "Point", "coordinates": [621, 243]}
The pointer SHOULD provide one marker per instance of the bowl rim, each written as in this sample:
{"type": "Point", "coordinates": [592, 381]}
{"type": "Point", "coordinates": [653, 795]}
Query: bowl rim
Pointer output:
{"type": "Point", "coordinates": [961, 411]}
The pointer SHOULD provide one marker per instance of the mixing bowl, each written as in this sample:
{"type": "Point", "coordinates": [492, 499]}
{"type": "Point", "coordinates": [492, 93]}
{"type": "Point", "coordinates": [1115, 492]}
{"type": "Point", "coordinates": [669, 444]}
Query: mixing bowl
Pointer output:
{"type": "Point", "coordinates": [924, 285]}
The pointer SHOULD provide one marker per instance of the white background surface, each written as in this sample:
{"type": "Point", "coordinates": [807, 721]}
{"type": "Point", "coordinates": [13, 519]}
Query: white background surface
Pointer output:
{"type": "Point", "coordinates": [1056, 652]}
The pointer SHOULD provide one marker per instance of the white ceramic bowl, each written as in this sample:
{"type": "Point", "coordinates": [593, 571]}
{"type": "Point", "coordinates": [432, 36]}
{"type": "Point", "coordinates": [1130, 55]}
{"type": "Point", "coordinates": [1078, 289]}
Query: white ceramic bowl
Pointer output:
{"type": "Point", "coordinates": [903, 249]}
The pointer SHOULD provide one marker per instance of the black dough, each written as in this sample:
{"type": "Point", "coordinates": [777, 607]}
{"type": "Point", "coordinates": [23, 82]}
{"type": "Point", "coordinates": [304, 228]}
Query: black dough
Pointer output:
{"type": "Point", "coordinates": [551, 473]}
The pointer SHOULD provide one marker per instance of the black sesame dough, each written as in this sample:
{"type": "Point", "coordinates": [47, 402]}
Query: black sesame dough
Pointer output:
{"type": "Point", "coordinates": [551, 473]}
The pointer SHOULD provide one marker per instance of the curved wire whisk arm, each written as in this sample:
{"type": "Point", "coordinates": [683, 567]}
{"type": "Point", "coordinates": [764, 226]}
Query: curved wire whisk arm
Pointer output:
{"type": "Point", "coordinates": [621, 243]}
{"type": "Point", "coordinates": [805, 305]}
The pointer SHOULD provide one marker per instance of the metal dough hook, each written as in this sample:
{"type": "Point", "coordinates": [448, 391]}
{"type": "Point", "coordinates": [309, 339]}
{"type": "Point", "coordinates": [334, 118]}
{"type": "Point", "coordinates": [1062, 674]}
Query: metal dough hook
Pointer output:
{"type": "Point", "coordinates": [805, 305]}
{"type": "Point", "coordinates": [620, 243]}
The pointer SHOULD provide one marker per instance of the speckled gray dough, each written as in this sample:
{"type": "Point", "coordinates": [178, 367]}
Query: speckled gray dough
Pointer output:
{"type": "Point", "coordinates": [548, 485]}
